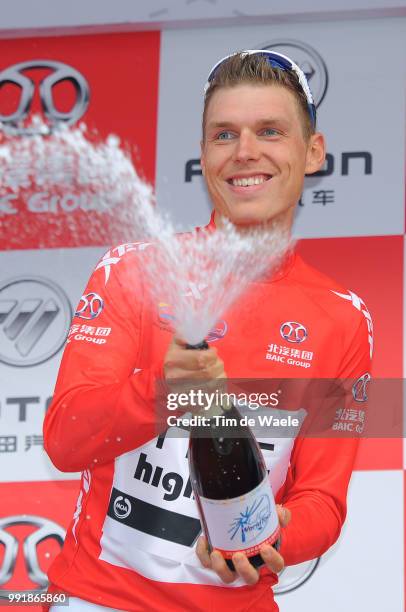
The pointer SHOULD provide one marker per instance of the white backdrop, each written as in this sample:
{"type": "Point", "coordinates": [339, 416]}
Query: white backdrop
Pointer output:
{"type": "Point", "coordinates": [364, 569]}
{"type": "Point", "coordinates": [20, 14]}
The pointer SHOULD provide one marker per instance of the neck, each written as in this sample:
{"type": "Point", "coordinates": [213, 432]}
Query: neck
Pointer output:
{"type": "Point", "coordinates": [283, 222]}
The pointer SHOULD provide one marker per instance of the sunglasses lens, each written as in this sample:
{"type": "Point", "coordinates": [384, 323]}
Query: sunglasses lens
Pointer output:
{"type": "Point", "coordinates": [278, 63]}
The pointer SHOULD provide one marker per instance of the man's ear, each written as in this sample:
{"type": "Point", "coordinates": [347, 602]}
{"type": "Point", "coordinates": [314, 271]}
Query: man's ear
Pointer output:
{"type": "Point", "coordinates": [316, 153]}
{"type": "Point", "coordinates": [202, 156]}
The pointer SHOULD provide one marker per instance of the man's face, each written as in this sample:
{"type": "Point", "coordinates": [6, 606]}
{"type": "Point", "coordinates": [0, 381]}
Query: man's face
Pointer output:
{"type": "Point", "coordinates": [254, 154]}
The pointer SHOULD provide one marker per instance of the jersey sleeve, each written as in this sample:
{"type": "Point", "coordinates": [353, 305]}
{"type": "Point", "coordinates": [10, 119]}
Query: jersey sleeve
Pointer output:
{"type": "Point", "coordinates": [317, 482]}
{"type": "Point", "coordinates": [103, 405]}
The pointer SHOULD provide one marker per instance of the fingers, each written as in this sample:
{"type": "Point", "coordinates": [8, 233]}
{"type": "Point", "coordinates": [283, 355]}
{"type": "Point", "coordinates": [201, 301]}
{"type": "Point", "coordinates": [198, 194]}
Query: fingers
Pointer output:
{"type": "Point", "coordinates": [178, 355]}
{"type": "Point", "coordinates": [284, 515]}
{"type": "Point", "coordinates": [244, 569]}
{"type": "Point", "coordinates": [219, 565]}
{"type": "Point", "coordinates": [180, 363]}
{"type": "Point", "coordinates": [202, 552]}
{"type": "Point", "coordinates": [191, 370]}
{"type": "Point", "coordinates": [216, 562]}
{"type": "Point", "coordinates": [272, 559]}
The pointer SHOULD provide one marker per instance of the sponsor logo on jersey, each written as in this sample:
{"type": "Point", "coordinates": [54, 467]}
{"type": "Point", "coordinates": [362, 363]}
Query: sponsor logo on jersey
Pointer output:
{"type": "Point", "coordinates": [359, 389]}
{"type": "Point", "coordinates": [165, 315]}
{"type": "Point", "coordinates": [114, 256]}
{"type": "Point", "coordinates": [90, 306]}
{"type": "Point", "coordinates": [289, 356]}
{"type": "Point", "coordinates": [292, 331]}
{"type": "Point", "coordinates": [166, 320]}
{"type": "Point", "coordinates": [217, 332]}
{"type": "Point", "coordinates": [122, 507]}
{"type": "Point", "coordinates": [88, 333]}
{"type": "Point", "coordinates": [349, 419]}
{"type": "Point", "coordinates": [171, 483]}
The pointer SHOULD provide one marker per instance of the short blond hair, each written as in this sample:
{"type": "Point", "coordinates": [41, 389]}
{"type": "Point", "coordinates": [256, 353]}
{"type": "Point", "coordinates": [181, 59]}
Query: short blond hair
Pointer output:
{"type": "Point", "coordinates": [242, 68]}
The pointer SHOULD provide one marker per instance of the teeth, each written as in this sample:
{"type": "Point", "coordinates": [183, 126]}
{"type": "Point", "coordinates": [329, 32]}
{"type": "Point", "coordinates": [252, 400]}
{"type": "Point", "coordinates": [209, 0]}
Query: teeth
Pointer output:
{"type": "Point", "coordinates": [247, 182]}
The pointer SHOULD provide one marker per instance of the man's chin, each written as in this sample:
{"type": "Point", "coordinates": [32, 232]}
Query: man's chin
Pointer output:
{"type": "Point", "coordinates": [254, 216]}
{"type": "Point", "coordinates": [246, 220]}
{"type": "Point", "coordinates": [248, 217]}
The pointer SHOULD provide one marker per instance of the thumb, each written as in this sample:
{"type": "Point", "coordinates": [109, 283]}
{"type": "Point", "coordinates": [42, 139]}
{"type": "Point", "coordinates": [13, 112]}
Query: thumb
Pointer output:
{"type": "Point", "coordinates": [284, 515]}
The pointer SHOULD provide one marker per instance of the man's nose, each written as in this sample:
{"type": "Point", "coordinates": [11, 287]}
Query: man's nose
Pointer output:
{"type": "Point", "coordinates": [247, 147]}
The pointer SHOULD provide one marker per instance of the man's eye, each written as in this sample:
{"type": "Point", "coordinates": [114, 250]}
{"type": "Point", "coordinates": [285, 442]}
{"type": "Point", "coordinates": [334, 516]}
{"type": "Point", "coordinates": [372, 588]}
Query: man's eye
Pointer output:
{"type": "Point", "coordinates": [270, 132]}
{"type": "Point", "coordinates": [225, 136]}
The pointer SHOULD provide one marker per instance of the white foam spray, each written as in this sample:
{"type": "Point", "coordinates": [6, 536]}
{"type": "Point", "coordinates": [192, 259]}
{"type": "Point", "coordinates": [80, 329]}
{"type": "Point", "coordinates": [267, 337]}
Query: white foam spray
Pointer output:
{"type": "Point", "coordinates": [200, 274]}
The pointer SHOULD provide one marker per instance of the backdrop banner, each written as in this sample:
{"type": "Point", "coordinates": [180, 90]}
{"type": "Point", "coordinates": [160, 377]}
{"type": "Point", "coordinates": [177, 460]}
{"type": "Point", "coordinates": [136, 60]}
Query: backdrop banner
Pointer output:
{"type": "Point", "coordinates": [144, 92]}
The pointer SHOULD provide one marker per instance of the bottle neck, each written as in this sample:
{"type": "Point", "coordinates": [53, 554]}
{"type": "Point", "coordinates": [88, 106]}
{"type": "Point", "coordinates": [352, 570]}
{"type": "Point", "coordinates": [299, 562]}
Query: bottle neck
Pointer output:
{"type": "Point", "coordinates": [219, 406]}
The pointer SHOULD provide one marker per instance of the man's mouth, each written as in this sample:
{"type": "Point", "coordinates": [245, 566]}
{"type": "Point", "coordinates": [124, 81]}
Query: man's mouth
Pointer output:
{"type": "Point", "coordinates": [248, 181]}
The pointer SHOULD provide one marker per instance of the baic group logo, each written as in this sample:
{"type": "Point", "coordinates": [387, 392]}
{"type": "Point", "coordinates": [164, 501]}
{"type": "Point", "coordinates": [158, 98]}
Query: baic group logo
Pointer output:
{"type": "Point", "coordinates": [217, 332]}
{"type": "Point", "coordinates": [35, 314]}
{"type": "Point", "coordinates": [56, 74]}
{"type": "Point", "coordinates": [90, 306]}
{"type": "Point", "coordinates": [292, 331]}
{"type": "Point", "coordinates": [43, 530]}
{"type": "Point", "coordinates": [359, 389]}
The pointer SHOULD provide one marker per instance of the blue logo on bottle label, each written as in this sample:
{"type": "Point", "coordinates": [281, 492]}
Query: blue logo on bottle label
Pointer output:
{"type": "Point", "coordinates": [250, 523]}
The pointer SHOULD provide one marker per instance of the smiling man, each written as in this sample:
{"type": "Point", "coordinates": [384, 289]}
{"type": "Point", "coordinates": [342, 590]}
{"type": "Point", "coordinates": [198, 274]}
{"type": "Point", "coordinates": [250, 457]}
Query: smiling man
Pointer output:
{"type": "Point", "coordinates": [132, 542]}
{"type": "Point", "coordinates": [258, 140]}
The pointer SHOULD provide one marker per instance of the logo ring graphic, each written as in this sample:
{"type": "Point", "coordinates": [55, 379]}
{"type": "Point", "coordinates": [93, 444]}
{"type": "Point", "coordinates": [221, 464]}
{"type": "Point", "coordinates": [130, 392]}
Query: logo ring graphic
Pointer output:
{"type": "Point", "coordinates": [90, 306]}
{"type": "Point", "coordinates": [217, 332]}
{"type": "Point", "coordinates": [359, 389]}
{"type": "Point", "coordinates": [295, 576]}
{"type": "Point", "coordinates": [12, 123]}
{"type": "Point", "coordinates": [292, 331]}
{"type": "Point", "coordinates": [309, 60]}
{"type": "Point", "coordinates": [45, 529]}
{"type": "Point", "coordinates": [28, 308]}
{"type": "Point", "coordinates": [122, 507]}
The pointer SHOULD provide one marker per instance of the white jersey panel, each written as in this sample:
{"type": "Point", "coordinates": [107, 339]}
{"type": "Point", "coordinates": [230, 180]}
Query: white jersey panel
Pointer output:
{"type": "Point", "coordinates": [152, 508]}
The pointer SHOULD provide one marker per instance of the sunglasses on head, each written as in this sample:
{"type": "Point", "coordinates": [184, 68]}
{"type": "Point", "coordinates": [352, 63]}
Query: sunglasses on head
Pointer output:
{"type": "Point", "coordinates": [276, 60]}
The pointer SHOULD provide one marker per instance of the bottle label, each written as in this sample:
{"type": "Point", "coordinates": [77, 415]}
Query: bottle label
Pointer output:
{"type": "Point", "coordinates": [242, 524]}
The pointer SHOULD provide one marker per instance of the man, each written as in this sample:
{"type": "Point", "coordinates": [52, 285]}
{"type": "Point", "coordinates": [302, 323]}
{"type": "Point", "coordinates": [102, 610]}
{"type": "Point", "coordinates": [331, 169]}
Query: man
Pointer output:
{"type": "Point", "coordinates": [131, 544]}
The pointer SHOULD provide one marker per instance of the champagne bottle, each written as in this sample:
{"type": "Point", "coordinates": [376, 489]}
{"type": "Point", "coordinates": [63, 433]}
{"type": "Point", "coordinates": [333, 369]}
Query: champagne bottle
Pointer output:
{"type": "Point", "coordinates": [231, 486]}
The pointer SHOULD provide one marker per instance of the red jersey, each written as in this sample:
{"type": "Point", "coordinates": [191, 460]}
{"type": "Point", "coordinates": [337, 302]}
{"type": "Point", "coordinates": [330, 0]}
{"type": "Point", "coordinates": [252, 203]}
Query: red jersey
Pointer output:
{"type": "Point", "coordinates": [131, 543]}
